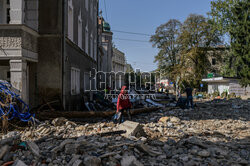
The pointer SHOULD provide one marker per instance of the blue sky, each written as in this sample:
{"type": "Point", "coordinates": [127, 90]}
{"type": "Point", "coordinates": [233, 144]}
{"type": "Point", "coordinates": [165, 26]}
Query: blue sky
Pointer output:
{"type": "Point", "coordinates": [144, 16]}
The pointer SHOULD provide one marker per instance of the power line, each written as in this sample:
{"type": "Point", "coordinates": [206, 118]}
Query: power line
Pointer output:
{"type": "Point", "coordinates": [134, 33]}
{"type": "Point", "coordinates": [106, 10]}
{"type": "Point", "coordinates": [144, 41]}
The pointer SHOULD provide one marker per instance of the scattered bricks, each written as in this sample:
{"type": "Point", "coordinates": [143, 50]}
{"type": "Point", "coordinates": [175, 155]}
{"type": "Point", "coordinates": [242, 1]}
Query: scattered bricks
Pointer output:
{"type": "Point", "coordinates": [62, 145]}
{"type": "Point", "coordinates": [4, 150]}
{"type": "Point", "coordinates": [10, 140]}
{"type": "Point", "coordinates": [74, 158]}
{"type": "Point", "coordinates": [34, 148]}
{"type": "Point", "coordinates": [130, 161]}
{"type": "Point", "coordinates": [92, 161]}
{"type": "Point", "coordinates": [148, 150]}
{"type": "Point", "coordinates": [131, 128]}
{"type": "Point", "coordinates": [174, 120]}
{"type": "Point", "coordinates": [19, 163]}
{"type": "Point", "coordinates": [78, 163]}
{"type": "Point", "coordinates": [59, 121]}
{"type": "Point", "coordinates": [71, 148]}
{"type": "Point", "coordinates": [164, 119]}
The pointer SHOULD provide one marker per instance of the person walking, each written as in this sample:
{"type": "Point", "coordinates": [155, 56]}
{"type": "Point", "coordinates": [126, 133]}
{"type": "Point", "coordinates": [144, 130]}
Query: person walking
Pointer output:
{"type": "Point", "coordinates": [189, 92]}
{"type": "Point", "coordinates": [123, 104]}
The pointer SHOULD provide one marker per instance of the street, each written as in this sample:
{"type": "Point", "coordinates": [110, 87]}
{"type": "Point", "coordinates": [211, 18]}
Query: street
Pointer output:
{"type": "Point", "coordinates": [214, 132]}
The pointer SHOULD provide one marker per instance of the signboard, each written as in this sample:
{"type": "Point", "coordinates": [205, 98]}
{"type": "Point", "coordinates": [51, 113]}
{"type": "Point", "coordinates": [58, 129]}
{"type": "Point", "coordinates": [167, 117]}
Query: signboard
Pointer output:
{"type": "Point", "coordinates": [210, 75]}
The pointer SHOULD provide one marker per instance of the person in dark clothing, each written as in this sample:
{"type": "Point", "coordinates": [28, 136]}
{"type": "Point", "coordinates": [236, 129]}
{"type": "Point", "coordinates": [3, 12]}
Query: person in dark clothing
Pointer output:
{"type": "Point", "coordinates": [123, 104]}
{"type": "Point", "coordinates": [189, 92]}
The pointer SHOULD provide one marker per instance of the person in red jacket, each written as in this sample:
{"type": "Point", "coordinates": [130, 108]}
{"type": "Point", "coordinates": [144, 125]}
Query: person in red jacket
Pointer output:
{"type": "Point", "coordinates": [123, 103]}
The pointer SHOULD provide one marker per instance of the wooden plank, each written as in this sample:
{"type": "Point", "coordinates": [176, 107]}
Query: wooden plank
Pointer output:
{"type": "Point", "coordinates": [91, 114]}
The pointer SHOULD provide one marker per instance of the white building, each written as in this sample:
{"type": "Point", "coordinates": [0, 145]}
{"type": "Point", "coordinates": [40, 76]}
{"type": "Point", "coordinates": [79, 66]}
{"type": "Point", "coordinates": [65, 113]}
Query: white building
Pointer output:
{"type": "Point", "coordinates": [225, 84]}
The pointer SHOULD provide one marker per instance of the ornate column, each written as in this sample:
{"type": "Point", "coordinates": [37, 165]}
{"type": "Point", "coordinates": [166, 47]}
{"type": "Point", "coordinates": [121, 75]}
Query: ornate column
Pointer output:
{"type": "Point", "coordinates": [17, 11]}
{"type": "Point", "coordinates": [18, 77]}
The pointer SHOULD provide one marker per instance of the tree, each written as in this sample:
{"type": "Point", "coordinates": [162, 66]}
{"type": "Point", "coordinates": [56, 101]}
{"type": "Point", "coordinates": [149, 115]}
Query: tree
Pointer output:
{"type": "Point", "coordinates": [240, 35]}
{"type": "Point", "coordinates": [165, 39]}
{"type": "Point", "coordinates": [232, 18]}
{"type": "Point", "coordinates": [197, 38]}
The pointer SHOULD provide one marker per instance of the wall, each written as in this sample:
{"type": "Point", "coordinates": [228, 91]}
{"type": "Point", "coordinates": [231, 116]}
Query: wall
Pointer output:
{"type": "Point", "coordinates": [238, 90]}
{"type": "Point", "coordinates": [49, 66]}
{"type": "Point", "coordinates": [49, 69]}
{"type": "Point", "coordinates": [78, 59]}
{"type": "Point", "coordinates": [31, 14]}
{"type": "Point", "coordinates": [2, 12]}
{"type": "Point", "coordinates": [221, 87]}
{"type": "Point", "coordinates": [50, 16]}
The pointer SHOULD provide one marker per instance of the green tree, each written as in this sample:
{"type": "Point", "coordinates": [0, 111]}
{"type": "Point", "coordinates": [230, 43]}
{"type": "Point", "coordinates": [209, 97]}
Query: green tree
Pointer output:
{"type": "Point", "coordinates": [232, 18]}
{"type": "Point", "coordinates": [165, 39]}
{"type": "Point", "coordinates": [197, 38]}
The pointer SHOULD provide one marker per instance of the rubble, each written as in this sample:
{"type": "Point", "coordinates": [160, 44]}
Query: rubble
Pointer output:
{"type": "Point", "coordinates": [131, 128]}
{"type": "Point", "coordinates": [215, 133]}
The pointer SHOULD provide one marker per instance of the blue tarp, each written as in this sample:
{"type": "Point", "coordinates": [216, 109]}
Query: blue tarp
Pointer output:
{"type": "Point", "coordinates": [12, 108]}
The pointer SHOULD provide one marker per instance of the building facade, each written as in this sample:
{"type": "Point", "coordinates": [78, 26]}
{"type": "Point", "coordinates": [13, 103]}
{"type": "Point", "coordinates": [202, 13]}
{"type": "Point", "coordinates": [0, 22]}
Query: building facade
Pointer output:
{"type": "Point", "coordinates": [226, 84]}
{"type": "Point", "coordinates": [48, 47]}
{"type": "Point", "coordinates": [118, 65]}
{"type": "Point", "coordinates": [105, 53]}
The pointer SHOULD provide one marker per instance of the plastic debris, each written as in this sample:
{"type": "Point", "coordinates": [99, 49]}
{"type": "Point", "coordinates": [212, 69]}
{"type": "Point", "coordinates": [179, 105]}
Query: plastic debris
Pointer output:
{"type": "Point", "coordinates": [11, 105]}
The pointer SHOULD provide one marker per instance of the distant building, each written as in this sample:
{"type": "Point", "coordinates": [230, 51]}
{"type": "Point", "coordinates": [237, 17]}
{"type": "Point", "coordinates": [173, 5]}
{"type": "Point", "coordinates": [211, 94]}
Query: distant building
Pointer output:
{"type": "Point", "coordinates": [226, 84]}
{"type": "Point", "coordinates": [105, 46]}
{"type": "Point", "coordinates": [217, 59]}
{"type": "Point", "coordinates": [129, 68]}
{"type": "Point", "coordinates": [118, 65]}
{"type": "Point", "coordinates": [48, 47]}
{"type": "Point", "coordinates": [105, 50]}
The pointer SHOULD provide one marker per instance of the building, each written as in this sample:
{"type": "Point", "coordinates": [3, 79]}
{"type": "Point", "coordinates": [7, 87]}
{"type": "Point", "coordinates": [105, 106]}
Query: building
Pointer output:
{"type": "Point", "coordinates": [226, 84]}
{"type": "Point", "coordinates": [48, 47]}
{"type": "Point", "coordinates": [216, 58]}
{"type": "Point", "coordinates": [105, 52]}
{"type": "Point", "coordinates": [119, 68]}
{"type": "Point", "coordinates": [129, 68]}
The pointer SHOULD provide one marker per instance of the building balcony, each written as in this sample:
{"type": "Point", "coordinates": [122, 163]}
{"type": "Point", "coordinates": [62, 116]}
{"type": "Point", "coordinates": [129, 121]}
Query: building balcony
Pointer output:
{"type": "Point", "coordinates": [18, 41]}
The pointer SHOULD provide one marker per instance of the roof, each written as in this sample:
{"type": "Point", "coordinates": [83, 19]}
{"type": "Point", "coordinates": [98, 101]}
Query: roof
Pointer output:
{"type": "Point", "coordinates": [106, 27]}
{"type": "Point", "coordinates": [220, 79]}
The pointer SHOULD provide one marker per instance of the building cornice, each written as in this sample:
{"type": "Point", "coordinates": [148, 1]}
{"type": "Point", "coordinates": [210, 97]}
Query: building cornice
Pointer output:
{"type": "Point", "coordinates": [19, 26]}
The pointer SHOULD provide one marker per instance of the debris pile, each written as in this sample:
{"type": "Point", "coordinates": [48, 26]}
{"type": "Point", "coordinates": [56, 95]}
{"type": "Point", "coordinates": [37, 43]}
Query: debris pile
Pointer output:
{"type": "Point", "coordinates": [216, 133]}
{"type": "Point", "coordinates": [12, 106]}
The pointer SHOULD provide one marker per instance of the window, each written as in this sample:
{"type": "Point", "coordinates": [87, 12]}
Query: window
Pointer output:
{"type": "Point", "coordinates": [7, 12]}
{"type": "Point", "coordinates": [213, 61]}
{"type": "Point", "coordinates": [86, 81]}
{"type": "Point", "coordinates": [95, 49]}
{"type": "Point", "coordinates": [75, 81]}
{"type": "Point", "coordinates": [91, 10]}
{"type": "Point", "coordinates": [70, 20]}
{"type": "Point", "coordinates": [95, 17]}
{"type": "Point", "coordinates": [87, 40]}
{"type": "Point", "coordinates": [87, 4]}
{"type": "Point", "coordinates": [80, 30]}
{"type": "Point", "coordinates": [8, 15]}
{"type": "Point", "coordinates": [91, 46]}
